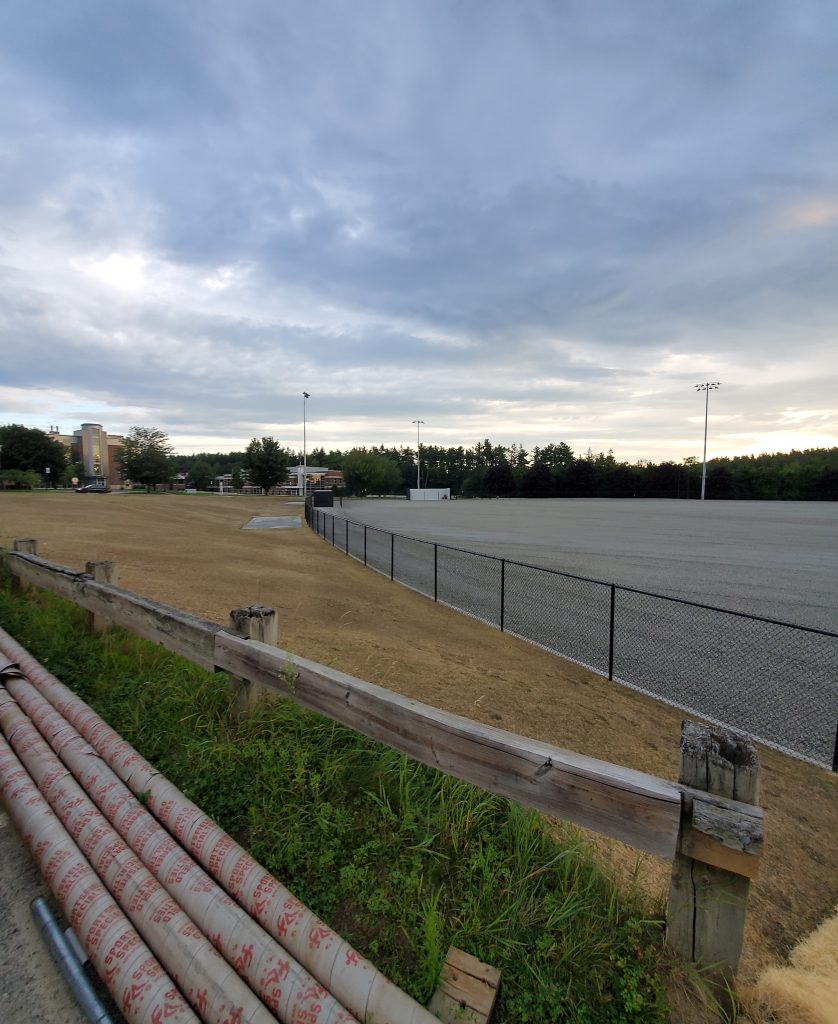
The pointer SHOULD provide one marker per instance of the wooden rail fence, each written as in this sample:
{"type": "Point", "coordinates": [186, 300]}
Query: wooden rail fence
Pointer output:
{"type": "Point", "coordinates": [708, 824]}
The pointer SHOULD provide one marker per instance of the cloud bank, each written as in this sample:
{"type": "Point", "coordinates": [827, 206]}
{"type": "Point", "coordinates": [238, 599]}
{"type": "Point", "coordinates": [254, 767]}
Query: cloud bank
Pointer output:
{"type": "Point", "coordinates": [534, 223]}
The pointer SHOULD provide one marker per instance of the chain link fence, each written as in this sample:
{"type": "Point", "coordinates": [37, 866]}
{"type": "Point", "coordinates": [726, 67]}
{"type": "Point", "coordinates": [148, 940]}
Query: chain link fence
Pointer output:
{"type": "Point", "coordinates": [775, 681]}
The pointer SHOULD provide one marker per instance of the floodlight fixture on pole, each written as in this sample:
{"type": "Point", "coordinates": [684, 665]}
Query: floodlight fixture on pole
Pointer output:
{"type": "Point", "coordinates": [305, 461]}
{"type": "Point", "coordinates": [706, 387]}
{"type": "Point", "coordinates": [418, 454]}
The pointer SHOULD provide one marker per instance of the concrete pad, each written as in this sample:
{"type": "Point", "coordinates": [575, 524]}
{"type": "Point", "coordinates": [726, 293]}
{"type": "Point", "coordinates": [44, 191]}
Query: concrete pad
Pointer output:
{"type": "Point", "coordinates": [273, 523]}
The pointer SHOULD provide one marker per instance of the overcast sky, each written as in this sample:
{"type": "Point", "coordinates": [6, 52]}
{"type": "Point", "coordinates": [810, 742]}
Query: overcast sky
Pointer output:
{"type": "Point", "coordinates": [528, 221]}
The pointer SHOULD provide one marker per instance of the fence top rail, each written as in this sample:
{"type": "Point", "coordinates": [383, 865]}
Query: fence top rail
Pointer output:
{"type": "Point", "coordinates": [629, 805]}
{"type": "Point", "coordinates": [604, 583]}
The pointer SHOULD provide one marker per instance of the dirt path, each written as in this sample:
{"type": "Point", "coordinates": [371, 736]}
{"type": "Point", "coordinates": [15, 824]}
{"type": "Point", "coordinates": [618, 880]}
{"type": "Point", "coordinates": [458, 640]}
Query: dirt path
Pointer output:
{"type": "Point", "coordinates": [191, 552]}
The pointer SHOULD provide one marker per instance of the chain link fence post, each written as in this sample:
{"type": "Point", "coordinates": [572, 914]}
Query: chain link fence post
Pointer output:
{"type": "Point", "coordinates": [436, 570]}
{"type": "Point", "coordinates": [611, 633]}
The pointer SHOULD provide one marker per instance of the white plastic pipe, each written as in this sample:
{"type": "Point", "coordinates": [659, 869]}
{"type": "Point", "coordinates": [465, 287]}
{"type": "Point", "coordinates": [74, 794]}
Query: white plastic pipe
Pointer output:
{"type": "Point", "coordinates": [355, 982]}
{"type": "Point", "coordinates": [212, 987]}
{"type": "Point", "coordinates": [282, 984]}
{"type": "Point", "coordinates": [140, 987]}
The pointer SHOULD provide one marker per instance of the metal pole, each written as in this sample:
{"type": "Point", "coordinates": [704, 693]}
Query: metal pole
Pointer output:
{"type": "Point", "coordinates": [835, 752]}
{"type": "Point", "coordinates": [305, 461]}
{"type": "Point", "coordinates": [611, 635]}
{"type": "Point", "coordinates": [418, 455]}
{"type": "Point", "coordinates": [502, 591]}
{"type": "Point", "coordinates": [365, 545]}
{"type": "Point", "coordinates": [68, 964]}
{"type": "Point", "coordinates": [704, 457]}
{"type": "Point", "coordinates": [706, 387]}
{"type": "Point", "coordinates": [392, 553]}
{"type": "Point", "coordinates": [333, 531]}
{"type": "Point", "coordinates": [436, 569]}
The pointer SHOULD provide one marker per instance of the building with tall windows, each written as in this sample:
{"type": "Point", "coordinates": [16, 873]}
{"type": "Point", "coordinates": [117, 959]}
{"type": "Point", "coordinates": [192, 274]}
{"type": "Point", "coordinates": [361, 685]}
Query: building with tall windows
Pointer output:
{"type": "Point", "coordinates": [94, 450]}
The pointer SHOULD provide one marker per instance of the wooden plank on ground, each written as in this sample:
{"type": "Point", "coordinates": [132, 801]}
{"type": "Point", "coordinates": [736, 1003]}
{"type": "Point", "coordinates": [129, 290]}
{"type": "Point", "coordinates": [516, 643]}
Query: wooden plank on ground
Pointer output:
{"type": "Point", "coordinates": [467, 990]}
{"type": "Point", "coordinates": [636, 808]}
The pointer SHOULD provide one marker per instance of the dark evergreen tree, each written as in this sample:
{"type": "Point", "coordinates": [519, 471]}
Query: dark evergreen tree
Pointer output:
{"type": "Point", "coordinates": [538, 482]}
{"type": "Point", "coordinates": [499, 481]}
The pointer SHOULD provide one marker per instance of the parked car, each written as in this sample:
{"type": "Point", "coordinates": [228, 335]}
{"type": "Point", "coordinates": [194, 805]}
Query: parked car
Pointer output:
{"type": "Point", "coordinates": [93, 489]}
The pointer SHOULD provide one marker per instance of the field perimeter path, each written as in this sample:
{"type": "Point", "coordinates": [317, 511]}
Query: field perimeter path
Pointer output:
{"type": "Point", "coordinates": [191, 552]}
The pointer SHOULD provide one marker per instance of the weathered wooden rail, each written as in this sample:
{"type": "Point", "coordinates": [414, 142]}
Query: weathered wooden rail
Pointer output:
{"type": "Point", "coordinates": [708, 824]}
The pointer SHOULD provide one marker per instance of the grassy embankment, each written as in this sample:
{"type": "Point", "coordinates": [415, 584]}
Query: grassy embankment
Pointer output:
{"type": "Point", "coordinates": [399, 858]}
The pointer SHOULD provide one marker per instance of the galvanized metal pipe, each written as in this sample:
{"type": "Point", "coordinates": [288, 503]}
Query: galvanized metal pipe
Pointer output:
{"type": "Point", "coordinates": [350, 977]}
{"type": "Point", "coordinates": [67, 962]}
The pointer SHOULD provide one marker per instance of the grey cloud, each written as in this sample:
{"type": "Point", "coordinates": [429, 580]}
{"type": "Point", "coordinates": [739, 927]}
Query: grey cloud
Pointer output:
{"type": "Point", "coordinates": [567, 191]}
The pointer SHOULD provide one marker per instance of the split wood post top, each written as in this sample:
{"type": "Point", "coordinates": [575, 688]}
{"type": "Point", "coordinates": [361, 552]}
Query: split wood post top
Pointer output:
{"type": "Point", "coordinates": [718, 850]}
{"type": "Point", "coordinates": [253, 623]}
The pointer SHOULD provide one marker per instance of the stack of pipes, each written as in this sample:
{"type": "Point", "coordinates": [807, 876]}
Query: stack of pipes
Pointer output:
{"type": "Point", "coordinates": [176, 917]}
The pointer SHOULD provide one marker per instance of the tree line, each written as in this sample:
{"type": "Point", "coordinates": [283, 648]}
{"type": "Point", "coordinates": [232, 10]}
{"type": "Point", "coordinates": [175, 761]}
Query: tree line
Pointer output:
{"type": "Point", "coordinates": [555, 471]}
{"type": "Point", "coordinates": [483, 470]}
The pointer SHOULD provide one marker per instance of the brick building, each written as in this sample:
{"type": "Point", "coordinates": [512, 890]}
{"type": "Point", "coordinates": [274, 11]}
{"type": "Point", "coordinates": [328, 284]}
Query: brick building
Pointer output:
{"type": "Point", "coordinates": [96, 451]}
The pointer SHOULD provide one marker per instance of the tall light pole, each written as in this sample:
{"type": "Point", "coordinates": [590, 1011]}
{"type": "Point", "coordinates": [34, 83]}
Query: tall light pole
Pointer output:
{"type": "Point", "coordinates": [706, 387]}
{"type": "Point", "coordinates": [418, 454]}
{"type": "Point", "coordinates": [305, 461]}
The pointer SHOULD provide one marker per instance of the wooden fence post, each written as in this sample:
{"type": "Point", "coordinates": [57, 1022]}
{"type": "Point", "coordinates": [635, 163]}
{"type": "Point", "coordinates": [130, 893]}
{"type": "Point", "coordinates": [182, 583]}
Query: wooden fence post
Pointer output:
{"type": "Point", "coordinates": [718, 852]}
{"type": "Point", "coordinates": [28, 546]}
{"type": "Point", "coordinates": [254, 623]}
{"type": "Point", "coordinates": [102, 572]}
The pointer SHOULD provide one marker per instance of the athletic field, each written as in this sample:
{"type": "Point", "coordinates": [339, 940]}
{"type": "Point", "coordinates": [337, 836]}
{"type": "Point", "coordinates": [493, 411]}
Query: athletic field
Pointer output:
{"type": "Point", "coordinates": [764, 563]}
{"type": "Point", "coordinates": [777, 559]}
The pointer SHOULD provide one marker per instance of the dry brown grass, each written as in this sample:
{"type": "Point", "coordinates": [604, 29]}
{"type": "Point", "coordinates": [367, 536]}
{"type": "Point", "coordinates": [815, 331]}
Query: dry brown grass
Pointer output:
{"type": "Point", "coordinates": [806, 992]}
{"type": "Point", "coordinates": [192, 553]}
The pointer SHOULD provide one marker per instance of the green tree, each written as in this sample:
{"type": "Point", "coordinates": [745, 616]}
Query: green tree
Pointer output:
{"type": "Point", "coordinates": [72, 470]}
{"type": "Point", "coordinates": [367, 472]}
{"type": "Point", "coordinates": [27, 448]}
{"type": "Point", "coordinates": [537, 482]}
{"type": "Point", "coordinates": [19, 479]}
{"type": "Point", "coordinates": [144, 458]}
{"type": "Point", "coordinates": [556, 456]}
{"type": "Point", "coordinates": [266, 462]}
{"type": "Point", "coordinates": [499, 480]}
{"type": "Point", "coordinates": [473, 483]}
{"type": "Point", "coordinates": [237, 479]}
{"type": "Point", "coordinates": [201, 475]}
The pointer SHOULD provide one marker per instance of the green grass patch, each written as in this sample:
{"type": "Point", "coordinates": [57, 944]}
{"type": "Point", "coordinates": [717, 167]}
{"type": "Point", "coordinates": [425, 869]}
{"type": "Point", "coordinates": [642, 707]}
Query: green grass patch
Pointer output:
{"type": "Point", "coordinates": [401, 859]}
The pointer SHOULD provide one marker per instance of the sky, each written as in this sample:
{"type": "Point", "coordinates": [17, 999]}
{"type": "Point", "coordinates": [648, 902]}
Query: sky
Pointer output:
{"type": "Point", "coordinates": [533, 222]}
